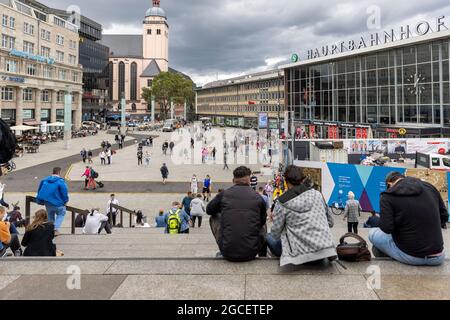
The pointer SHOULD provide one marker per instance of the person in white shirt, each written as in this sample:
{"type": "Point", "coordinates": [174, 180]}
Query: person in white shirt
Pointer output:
{"type": "Point", "coordinates": [103, 157]}
{"type": "Point", "coordinates": [96, 222]}
{"type": "Point", "coordinates": [2, 196]}
{"type": "Point", "coordinates": [194, 184]}
{"type": "Point", "coordinates": [109, 156]}
{"type": "Point", "coordinates": [112, 212]}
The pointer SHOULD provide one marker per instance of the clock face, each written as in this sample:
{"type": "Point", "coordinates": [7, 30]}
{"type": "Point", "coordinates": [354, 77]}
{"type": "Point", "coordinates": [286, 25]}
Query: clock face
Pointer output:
{"type": "Point", "coordinates": [416, 80]}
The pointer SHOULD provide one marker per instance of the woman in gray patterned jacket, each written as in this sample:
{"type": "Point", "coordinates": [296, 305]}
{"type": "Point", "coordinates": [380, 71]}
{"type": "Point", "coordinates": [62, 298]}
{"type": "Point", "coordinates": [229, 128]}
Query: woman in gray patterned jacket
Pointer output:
{"type": "Point", "coordinates": [301, 223]}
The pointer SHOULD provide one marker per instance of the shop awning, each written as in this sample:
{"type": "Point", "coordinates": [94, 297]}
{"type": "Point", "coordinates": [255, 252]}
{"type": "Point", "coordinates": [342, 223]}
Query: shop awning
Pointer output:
{"type": "Point", "coordinates": [23, 128]}
{"type": "Point", "coordinates": [56, 124]}
{"type": "Point", "coordinates": [31, 123]}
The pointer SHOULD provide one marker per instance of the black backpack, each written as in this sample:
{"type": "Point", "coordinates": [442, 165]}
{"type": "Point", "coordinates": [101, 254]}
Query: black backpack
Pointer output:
{"type": "Point", "coordinates": [8, 143]}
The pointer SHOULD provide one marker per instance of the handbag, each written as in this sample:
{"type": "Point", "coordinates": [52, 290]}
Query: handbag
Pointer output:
{"type": "Point", "coordinates": [353, 252]}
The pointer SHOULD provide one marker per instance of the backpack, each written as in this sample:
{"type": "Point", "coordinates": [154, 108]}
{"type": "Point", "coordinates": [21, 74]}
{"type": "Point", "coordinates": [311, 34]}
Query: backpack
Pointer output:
{"type": "Point", "coordinates": [94, 174]}
{"type": "Point", "coordinates": [8, 143]}
{"type": "Point", "coordinates": [174, 222]}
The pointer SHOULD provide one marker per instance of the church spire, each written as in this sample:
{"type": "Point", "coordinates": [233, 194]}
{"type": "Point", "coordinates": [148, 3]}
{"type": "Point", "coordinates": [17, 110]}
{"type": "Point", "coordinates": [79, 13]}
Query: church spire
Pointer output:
{"type": "Point", "coordinates": [156, 3]}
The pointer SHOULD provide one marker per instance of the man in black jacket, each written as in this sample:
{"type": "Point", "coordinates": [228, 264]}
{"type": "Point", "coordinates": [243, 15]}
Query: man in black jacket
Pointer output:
{"type": "Point", "coordinates": [412, 215]}
{"type": "Point", "coordinates": [238, 220]}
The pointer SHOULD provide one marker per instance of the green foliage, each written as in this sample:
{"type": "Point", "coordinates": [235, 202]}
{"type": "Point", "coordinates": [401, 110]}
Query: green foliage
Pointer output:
{"type": "Point", "coordinates": [169, 87]}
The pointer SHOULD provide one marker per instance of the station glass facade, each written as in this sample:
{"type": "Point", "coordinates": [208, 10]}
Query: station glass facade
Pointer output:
{"type": "Point", "coordinates": [406, 86]}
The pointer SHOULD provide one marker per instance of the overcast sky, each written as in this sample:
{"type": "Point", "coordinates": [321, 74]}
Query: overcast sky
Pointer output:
{"type": "Point", "coordinates": [224, 38]}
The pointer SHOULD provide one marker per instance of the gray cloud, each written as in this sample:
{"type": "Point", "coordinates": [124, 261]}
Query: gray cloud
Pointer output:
{"type": "Point", "coordinates": [233, 36]}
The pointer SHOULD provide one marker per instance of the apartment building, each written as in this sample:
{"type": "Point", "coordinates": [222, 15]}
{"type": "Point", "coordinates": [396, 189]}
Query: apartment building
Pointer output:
{"type": "Point", "coordinates": [39, 66]}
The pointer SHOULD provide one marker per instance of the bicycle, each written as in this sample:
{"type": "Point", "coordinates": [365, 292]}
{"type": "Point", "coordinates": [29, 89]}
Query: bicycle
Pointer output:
{"type": "Point", "coordinates": [8, 167]}
{"type": "Point", "coordinates": [338, 207]}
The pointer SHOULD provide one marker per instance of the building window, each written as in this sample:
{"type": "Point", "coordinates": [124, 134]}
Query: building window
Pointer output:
{"type": "Point", "coordinates": [31, 69]}
{"type": "Point", "coordinates": [149, 83]}
{"type": "Point", "coordinates": [27, 95]}
{"type": "Point", "coordinates": [72, 59]}
{"type": "Point", "coordinates": [45, 35]}
{"type": "Point", "coordinates": [133, 81]}
{"type": "Point", "coordinates": [60, 96]}
{"type": "Point", "coordinates": [12, 22]}
{"type": "Point", "coordinates": [5, 20]}
{"type": "Point", "coordinates": [121, 79]}
{"type": "Point", "coordinates": [72, 44]}
{"type": "Point", "coordinates": [28, 47]}
{"type": "Point", "coordinates": [158, 31]}
{"type": "Point", "coordinates": [74, 76]}
{"type": "Point", "coordinates": [59, 40]}
{"type": "Point", "coordinates": [149, 31]}
{"type": "Point", "coordinates": [28, 28]}
{"type": "Point", "coordinates": [7, 94]}
{"type": "Point", "coordinates": [45, 52]}
{"type": "Point", "coordinates": [11, 65]}
{"type": "Point", "coordinates": [62, 74]}
{"type": "Point", "coordinates": [47, 72]}
{"type": "Point", "coordinates": [59, 56]}
{"type": "Point", "coordinates": [8, 42]}
{"type": "Point", "coordinates": [45, 96]}
{"type": "Point", "coordinates": [133, 107]}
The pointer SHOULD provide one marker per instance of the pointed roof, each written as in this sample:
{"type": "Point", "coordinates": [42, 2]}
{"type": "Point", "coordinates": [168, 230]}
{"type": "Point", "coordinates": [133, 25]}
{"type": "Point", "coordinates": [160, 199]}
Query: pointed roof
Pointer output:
{"type": "Point", "coordinates": [152, 70]}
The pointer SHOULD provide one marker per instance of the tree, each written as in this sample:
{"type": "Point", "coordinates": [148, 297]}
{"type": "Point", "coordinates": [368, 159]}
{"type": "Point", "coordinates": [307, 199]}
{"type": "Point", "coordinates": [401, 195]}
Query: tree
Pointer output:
{"type": "Point", "coordinates": [167, 87]}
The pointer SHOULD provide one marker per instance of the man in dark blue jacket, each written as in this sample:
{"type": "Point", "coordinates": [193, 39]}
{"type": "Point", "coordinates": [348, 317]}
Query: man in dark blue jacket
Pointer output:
{"type": "Point", "coordinates": [54, 195]}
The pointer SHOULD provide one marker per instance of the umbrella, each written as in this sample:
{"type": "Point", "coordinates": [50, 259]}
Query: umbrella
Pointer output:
{"type": "Point", "coordinates": [23, 128]}
{"type": "Point", "coordinates": [56, 124]}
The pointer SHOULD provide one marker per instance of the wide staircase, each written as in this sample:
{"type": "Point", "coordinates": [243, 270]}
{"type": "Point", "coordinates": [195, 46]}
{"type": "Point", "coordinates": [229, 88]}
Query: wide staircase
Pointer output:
{"type": "Point", "coordinates": [145, 263]}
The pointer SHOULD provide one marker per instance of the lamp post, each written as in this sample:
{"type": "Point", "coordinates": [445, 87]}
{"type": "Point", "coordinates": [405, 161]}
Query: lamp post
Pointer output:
{"type": "Point", "coordinates": [67, 118]}
{"type": "Point", "coordinates": [123, 120]}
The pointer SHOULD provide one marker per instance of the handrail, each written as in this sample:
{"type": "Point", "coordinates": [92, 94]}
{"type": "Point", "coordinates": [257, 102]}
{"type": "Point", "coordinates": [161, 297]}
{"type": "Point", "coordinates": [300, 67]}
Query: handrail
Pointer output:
{"type": "Point", "coordinates": [122, 210]}
{"type": "Point", "coordinates": [73, 210]}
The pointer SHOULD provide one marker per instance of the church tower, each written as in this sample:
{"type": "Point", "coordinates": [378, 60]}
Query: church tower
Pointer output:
{"type": "Point", "coordinates": [156, 36]}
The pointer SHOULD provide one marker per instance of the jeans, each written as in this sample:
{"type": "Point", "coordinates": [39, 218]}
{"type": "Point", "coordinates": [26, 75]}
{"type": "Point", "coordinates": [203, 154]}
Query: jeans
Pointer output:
{"type": "Point", "coordinates": [274, 245]}
{"type": "Point", "coordinates": [55, 215]}
{"type": "Point", "coordinates": [385, 243]}
{"type": "Point", "coordinates": [105, 225]}
{"type": "Point", "coordinates": [12, 229]}
{"type": "Point", "coordinates": [14, 244]}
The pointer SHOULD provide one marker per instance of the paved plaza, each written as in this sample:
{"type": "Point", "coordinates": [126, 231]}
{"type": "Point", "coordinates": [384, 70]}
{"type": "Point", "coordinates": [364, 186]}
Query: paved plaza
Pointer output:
{"type": "Point", "coordinates": [137, 263]}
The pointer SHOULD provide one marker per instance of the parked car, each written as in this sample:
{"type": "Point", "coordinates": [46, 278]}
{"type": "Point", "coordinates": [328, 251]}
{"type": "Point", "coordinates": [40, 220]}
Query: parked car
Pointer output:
{"type": "Point", "coordinates": [90, 124]}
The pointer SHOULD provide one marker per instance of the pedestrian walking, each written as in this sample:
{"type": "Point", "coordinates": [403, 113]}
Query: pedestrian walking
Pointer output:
{"type": "Point", "coordinates": [83, 154]}
{"type": "Point", "coordinates": [207, 188]}
{"type": "Point", "coordinates": [225, 161]}
{"type": "Point", "coordinates": [194, 184]}
{"type": "Point", "coordinates": [147, 159]}
{"type": "Point", "coordinates": [140, 155]}
{"type": "Point", "coordinates": [90, 155]}
{"type": "Point", "coordinates": [53, 193]}
{"type": "Point", "coordinates": [164, 173]}
{"type": "Point", "coordinates": [103, 157]}
{"type": "Point", "coordinates": [109, 156]}
{"type": "Point", "coordinates": [171, 146]}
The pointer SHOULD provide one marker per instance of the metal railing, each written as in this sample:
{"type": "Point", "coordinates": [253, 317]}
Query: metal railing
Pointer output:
{"type": "Point", "coordinates": [131, 213]}
{"type": "Point", "coordinates": [74, 211]}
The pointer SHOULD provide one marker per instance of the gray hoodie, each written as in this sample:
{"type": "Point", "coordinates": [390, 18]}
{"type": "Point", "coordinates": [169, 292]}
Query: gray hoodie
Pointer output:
{"type": "Point", "coordinates": [303, 221]}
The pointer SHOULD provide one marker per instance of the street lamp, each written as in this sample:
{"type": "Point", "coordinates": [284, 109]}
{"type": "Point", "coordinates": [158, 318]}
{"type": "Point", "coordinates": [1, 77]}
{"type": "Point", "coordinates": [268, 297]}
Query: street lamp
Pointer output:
{"type": "Point", "coordinates": [67, 118]}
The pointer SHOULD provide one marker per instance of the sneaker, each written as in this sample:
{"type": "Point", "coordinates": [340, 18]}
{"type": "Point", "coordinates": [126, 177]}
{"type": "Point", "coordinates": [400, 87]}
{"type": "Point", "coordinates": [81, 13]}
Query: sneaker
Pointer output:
{"type": "Point", "coordinates": [219, 255]}
{"type": "Point", "coordinates": [57, 234]}
{"type": "Point", "coordinates": [378, 253]}
{"type": "Point", "coordinates": [18, 253]}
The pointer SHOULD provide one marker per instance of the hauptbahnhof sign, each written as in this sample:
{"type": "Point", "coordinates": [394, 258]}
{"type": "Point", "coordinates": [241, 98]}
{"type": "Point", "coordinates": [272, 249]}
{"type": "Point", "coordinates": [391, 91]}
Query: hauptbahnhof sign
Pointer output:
{"type": "Point", "coordinates": [422, 28]}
